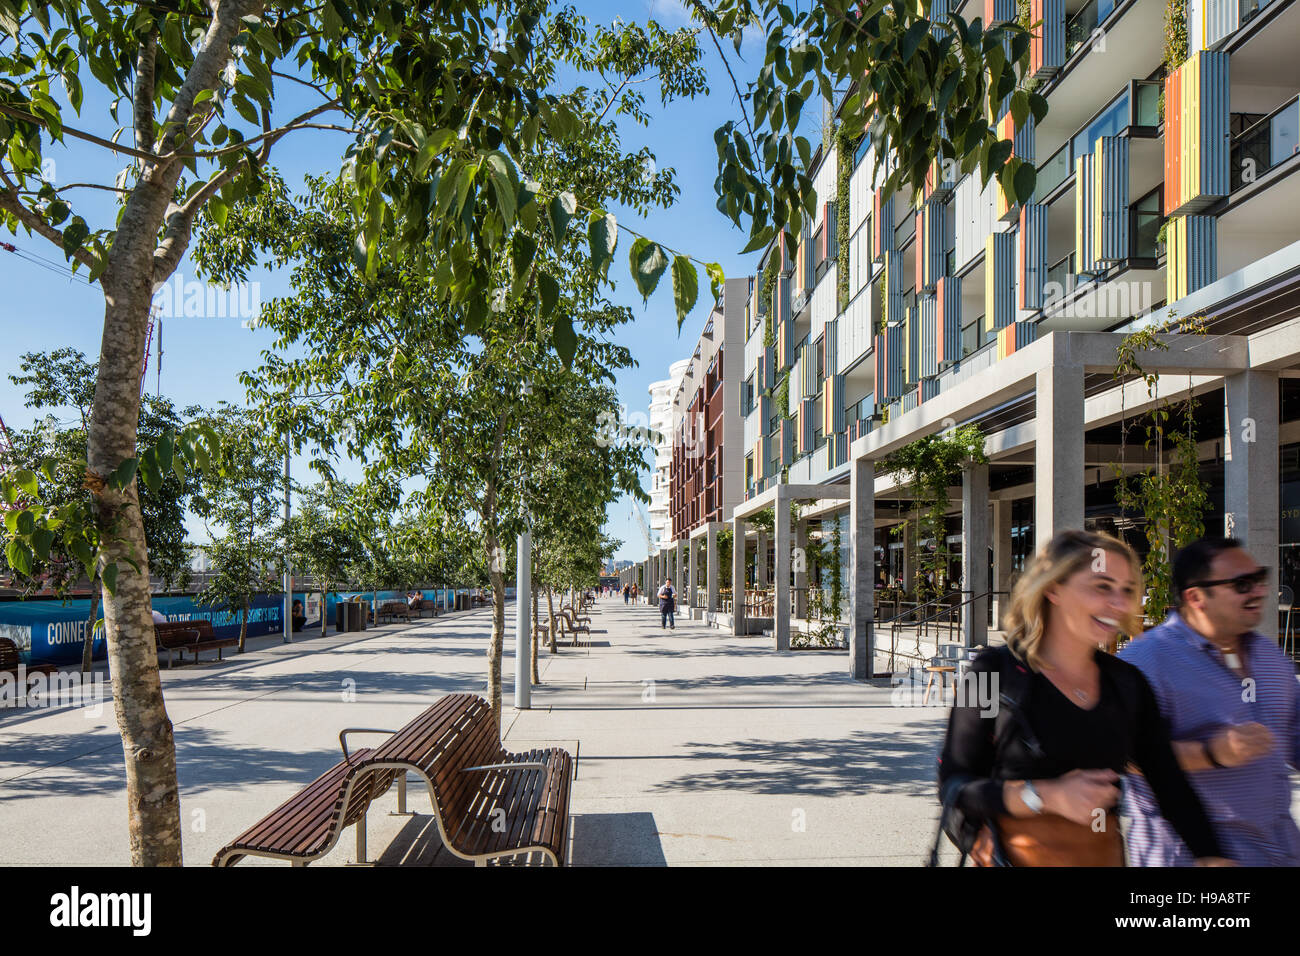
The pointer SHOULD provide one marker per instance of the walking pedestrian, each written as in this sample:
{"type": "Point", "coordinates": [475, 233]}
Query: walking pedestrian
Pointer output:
{"type": "Point", "coordinates": [1033, 762]}
{"type": "Point", "coordinates": [667, 605]}
{"type": "Point", "coordinates": [1231, 700]}
{"type": "Point", "coordinates": [627, 593]}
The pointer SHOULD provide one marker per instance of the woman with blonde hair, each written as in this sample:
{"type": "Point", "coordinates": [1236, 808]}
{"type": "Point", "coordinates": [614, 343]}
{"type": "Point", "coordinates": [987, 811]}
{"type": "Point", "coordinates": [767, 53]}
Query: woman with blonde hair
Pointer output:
{"type": "Point", "coordinates": [1034, 779]}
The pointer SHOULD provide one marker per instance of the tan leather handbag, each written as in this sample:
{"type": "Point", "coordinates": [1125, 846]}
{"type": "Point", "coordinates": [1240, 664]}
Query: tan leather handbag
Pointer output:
{"type": "Point", "coordinates": [1047, 840]}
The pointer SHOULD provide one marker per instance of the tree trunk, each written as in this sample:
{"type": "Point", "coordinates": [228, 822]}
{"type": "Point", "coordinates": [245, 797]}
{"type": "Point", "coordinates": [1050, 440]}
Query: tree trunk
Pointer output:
{"type": "Point", "coordinates": [243, 628]}
{"type": "Point", "coordinates": [88, 647]}
{"type": "Point", "coordinates": [550, 610]}
{"type": "Point", "coordinates": [136, 261]}
{"type": "Point", "coordinates": [323, 621]}
{"type": "Point", "coordinates": [149, 749]}
{"type": "Point", "coordinates": [536, 675]}
{"type": "Point", "coordinates": [497, 644]}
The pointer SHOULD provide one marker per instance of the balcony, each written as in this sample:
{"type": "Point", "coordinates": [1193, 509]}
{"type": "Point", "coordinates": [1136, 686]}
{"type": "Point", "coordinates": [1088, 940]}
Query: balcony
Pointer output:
{"type": "Point", "coordinates": [1265, 145]}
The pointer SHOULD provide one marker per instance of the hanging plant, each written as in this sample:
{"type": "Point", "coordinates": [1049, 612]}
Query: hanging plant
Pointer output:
{"type": "Point", "coordinates": [846, 148]}
{"type": "Point", "coordinates": [1173, 499]}
{"type": "Point", "coordinates": [769, 286]}
{"type": "Point", "coordinates": [928, 467]}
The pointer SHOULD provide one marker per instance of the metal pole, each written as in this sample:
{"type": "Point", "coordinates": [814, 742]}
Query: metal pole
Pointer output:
{"type": "Point", "coordinates": [523, 624]}
{"type": "Point", "coordinates": [288, 570]}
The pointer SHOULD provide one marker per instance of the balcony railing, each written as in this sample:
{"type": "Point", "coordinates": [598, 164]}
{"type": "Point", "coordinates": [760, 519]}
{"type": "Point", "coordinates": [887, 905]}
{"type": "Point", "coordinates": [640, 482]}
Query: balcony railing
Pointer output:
{"type": "Point", "coordinates": [1270, 142]}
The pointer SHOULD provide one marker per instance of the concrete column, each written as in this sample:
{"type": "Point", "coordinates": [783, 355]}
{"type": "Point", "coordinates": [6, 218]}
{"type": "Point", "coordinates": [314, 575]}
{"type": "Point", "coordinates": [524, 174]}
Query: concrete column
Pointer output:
{"type": "Point", "coordinates": [524, 623]}
{"type": "Point", "coordinates": [1058, 452]}
{"type": "Point", "coordinates": [781, 605]}
{"type": "Point", "coordinates": [760, 561]}
{"type": "Point", "coordinates": [801, 569]}
{"type": "Point", "coordinates": [681, 566]}
{"type": "Point", "coordinates": [738, 576]}
{"type": "Point", "coordinates": [1251, 475]}
{"type": "Point", "coordinates": [692, 571]}
{"type": "Point", "coordinates": [862, 580]}
{"type": "Point", "coordinates": [711, 568]}
{"type": "Point", "coordinates": [1001, 557]}
{"type": "Point", "coordinates": [975, 553]}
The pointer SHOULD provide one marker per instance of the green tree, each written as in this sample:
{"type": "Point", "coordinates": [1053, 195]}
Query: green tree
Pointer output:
{"type": "Point", "coordinates": [239, 501]}
{"type": "Point", "coordinates": [319, 539]}
{"type": "Point", "coordinates": [933, 90]}
{"type": "Point", "coordinates": [62, 381]}
{"type": "Point", "coordinates": [442, 101]}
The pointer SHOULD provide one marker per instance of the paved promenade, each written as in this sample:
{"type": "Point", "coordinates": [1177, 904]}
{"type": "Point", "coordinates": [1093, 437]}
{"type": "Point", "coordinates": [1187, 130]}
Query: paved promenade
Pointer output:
{"type": "Point", "coordinates": [694, 747]}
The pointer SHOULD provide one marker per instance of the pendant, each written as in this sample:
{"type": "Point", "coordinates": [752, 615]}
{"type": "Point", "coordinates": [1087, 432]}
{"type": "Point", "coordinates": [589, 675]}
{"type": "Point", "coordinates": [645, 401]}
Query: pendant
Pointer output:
{"type": "Point", "coordinates": [1232, 660]}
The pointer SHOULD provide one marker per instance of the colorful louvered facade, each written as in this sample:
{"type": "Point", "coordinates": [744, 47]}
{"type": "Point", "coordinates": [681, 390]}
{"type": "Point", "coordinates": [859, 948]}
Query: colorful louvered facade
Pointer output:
{"type": "Point", "coordinates": [1191, 255]}
{"type": "Point", "coordinates": [999, 281]}
{"type": "Point", "coordinates": [1196, 143]}
{"type": "Point", "coordinates": [931, 229]}
{"type": "Point", "coordinates": [883, 239]}
{"type": "Point", "coordinates": [1032, 236]}
{"type": "Point", "coordinates": [1015, 336]}
{"type": "Point", "coordinates": [1047, 48]}
{"type": "Point", "coordinates": [947, 317]}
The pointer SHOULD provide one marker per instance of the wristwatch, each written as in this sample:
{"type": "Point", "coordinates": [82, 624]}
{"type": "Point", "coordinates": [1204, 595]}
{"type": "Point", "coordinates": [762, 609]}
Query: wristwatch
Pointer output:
{"type": "Point", "coordinates": [1031, 798]}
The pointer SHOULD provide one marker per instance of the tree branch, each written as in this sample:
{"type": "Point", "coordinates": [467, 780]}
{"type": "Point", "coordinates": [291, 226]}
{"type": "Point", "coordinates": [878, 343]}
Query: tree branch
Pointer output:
{"type": "Point", "coordinates": [142, 95]}
{"type": "Point", "coordinates": [10, 203]}
{"type": "Point", "coordinates": [78, 134]}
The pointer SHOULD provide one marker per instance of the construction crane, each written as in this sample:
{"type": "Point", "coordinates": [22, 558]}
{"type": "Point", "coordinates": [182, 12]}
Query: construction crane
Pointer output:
{"type": "Point", "coordinates": [148, 342]}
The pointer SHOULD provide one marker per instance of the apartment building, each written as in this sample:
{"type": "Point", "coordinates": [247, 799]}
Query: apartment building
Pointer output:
{"type": "Point", "coordinates": [662, 394]}
{"type": "Point", "coordinates": [1162, 193]}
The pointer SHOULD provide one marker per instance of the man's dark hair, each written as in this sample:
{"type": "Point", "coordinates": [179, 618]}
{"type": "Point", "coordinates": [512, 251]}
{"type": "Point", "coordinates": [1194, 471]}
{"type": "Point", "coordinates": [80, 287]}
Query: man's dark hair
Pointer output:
{"type": "Point", "coordinates": [1192, 564]}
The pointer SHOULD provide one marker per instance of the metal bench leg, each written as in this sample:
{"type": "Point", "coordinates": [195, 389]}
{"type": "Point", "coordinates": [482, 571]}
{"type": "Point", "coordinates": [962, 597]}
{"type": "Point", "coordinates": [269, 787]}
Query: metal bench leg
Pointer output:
{"type": "Point", "coordinates": [361, 840]}
{"type": "Point", "coordinates": [401, 795]}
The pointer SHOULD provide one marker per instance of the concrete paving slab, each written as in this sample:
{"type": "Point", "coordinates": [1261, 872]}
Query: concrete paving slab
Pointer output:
{"type": "Point", "coordinates": [695, 747]}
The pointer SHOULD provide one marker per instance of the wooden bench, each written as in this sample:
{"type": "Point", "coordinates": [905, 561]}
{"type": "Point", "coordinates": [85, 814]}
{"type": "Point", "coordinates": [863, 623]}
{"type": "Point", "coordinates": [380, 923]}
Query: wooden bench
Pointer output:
{"type": "Point", "coordinates": [307, 825]}
{"type": "Point", "coordinates": [393, 609]}
{"type": "Point", "coordinates": [193, 636]}
{"type": "Point", "coordinates": [488, 803]}
{"type": "Point", "coordinates": [425, 605]}
{"type": "Point", "coordinates": [11, 660]}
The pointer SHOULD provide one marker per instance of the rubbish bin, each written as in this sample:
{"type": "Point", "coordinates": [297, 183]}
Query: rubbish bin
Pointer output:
{"type": "Point", "coordinates": [348, 616]}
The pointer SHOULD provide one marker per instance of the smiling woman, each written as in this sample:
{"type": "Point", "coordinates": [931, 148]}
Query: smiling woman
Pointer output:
{"type": "Point", "coordinates": [1040, 786]}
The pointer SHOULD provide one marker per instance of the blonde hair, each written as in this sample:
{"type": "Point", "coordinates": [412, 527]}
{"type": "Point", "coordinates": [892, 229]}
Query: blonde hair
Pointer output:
{"type": "Point", "coordinates": [1025, 622]}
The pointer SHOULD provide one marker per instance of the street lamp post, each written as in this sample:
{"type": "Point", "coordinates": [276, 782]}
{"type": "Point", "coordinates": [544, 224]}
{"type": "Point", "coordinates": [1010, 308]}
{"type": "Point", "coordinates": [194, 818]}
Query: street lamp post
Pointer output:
{"type": "Point", "coordinates": [288, 570]}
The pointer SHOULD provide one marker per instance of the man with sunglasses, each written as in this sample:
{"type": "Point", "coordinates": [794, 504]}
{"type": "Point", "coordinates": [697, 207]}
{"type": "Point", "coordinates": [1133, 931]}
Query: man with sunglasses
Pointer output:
{"type": "Point", "coordinates": [1233, 706]}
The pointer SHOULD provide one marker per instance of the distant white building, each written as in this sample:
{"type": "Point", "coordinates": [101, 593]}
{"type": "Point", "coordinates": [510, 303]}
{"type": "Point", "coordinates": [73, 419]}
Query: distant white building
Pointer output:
{"type": "Point", "coordinates": [661, 422]}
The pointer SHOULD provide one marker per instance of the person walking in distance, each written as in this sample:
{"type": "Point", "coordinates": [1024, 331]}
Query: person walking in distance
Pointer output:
{"type": "Point", "coordinates": [1231, 700]}
{"type": "Point", "coordinates": [667, 605]}
{"type": "Point", "coordinates": [1034, 765]}
{"type": "Point", "coordinates": [627, 592]}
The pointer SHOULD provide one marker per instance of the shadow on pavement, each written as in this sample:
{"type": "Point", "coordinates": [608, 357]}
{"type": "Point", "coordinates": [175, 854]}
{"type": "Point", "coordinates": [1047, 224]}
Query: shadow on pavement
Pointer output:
{"type": "Point", "coordinates": [900, 762]}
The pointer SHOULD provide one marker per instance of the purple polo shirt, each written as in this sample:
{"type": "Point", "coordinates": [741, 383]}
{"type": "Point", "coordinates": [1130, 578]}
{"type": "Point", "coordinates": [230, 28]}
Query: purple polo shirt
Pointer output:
{"type": "Point", "coordinates": [1249, 806]}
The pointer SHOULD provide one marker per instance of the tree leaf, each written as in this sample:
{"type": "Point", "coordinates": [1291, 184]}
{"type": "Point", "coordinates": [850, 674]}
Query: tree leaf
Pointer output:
{"type": "Point", "coordinates": [25, 480]}
{"type": "Point", "coordinates": [561, 210]}
{"type": "Point", "coordinates": [109, 577]}
{"type": "Point", "coordinates": [717, 279]}
{"type": "Point", "coordinates": [686, 287]}
{"type": "Point", "coordinates": [523, 248]}
{"type": "Point", "coordinates": [20, 559]}
{"type": "Point", "coordinates": [42, 538]}
{"type": "Point", "coordinates": [564, 338]}
{"type": "Point", "coordinates": [647, 261]}
{"type": "Point", "coordinates": [602, 235]}
{"type": "Point", "coordinates": [548, 290]}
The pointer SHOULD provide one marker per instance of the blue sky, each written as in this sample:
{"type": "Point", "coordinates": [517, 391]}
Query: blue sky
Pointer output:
{"type": "Point", "coordinates": [43, 309]}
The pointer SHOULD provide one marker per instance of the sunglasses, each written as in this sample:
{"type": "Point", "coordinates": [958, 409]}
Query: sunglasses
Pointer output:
{"type": "Point", "coordinates": [1242, 584]}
